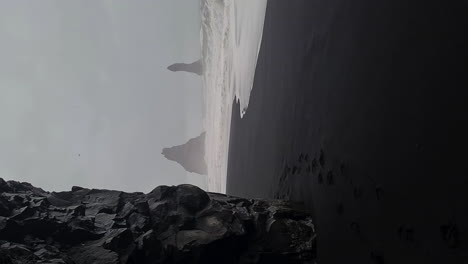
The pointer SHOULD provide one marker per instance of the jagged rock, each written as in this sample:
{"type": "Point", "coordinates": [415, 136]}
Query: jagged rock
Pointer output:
{"type": "Point", "coordinates": [142, 207]}
{"type": "Point", "coordinates": [85, 254]}
{"type": "Point", "coordinates": [104, 221]}
{"type": "Point", "coordinates": [4, 207]}
{"type": "Point", "coordinates": [171, 224]}
{"type": "Point", "coordinates": [189, 155]}
{"type": "Point", "coordinates": [138, 222]}
{"type": "Point", "coordinates": [13, 253]}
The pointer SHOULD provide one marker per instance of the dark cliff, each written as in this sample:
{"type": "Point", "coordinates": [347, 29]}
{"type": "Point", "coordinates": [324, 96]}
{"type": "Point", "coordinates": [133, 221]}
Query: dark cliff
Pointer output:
{"type": "Point", "coordinates": [190, 155]}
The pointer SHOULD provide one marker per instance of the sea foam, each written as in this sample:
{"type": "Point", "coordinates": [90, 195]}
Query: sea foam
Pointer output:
{"type": "Point", "coordinates": [231, 34]}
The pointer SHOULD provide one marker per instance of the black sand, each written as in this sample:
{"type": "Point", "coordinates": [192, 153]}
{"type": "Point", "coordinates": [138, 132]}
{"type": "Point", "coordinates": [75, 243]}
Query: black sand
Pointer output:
{"type": "Point", "coordinates": [359, 110]}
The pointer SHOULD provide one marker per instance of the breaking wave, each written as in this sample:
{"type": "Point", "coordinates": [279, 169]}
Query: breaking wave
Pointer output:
{"type": "Point", "coordinates": [231, 34]}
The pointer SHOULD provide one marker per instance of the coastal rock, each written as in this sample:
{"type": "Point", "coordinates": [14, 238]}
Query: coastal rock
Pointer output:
{"type": "Point", "coordinates": [171, 224]}
{"type": "Point", "coordinates": [194, 67]}
{"type": "Point", "coordinates": [189, 155]}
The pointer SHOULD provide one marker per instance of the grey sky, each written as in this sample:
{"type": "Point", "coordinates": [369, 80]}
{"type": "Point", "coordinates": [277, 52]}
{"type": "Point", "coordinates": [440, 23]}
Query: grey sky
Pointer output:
{"type": "Point", "coordinates": [85, 97]}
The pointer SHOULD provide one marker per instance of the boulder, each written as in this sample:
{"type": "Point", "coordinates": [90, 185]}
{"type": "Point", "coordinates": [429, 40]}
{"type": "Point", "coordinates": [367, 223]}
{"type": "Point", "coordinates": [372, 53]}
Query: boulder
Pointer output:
{"type": "Point", "coordinates": [192, 198]}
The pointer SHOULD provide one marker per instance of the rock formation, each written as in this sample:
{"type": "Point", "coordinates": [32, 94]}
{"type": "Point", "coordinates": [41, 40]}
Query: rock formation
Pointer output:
{"type": "Point", "coordinates": [190, 155]}
{"type": "Point", "coordinates": [194, 67]}
{"type": "Point", "coordinates": [177, 224]}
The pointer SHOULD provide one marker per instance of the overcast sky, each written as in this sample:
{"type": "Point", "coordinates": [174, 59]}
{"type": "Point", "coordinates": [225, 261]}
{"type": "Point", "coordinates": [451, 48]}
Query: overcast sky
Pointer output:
{"type": "Point", "coordinates": [85, 95]}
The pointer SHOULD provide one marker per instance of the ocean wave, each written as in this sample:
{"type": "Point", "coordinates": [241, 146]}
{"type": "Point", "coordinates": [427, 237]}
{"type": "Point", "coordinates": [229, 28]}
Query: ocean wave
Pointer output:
{"type": "Point", "coordinates": [230, 35]}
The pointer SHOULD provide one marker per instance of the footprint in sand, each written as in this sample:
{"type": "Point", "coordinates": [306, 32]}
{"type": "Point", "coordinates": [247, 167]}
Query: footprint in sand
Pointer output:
{"type": "Point", "coordinates": [376, 258]}
{"type": "Point", "coordinates": [314, 165]}
{"type": "Point", "coordinates": [357, 192]}
{"type": "Point", "coordinates": [340, 208]}
{"type": "Point", "coordinates": [322, 158]}
{"type": "Point", "coordinates": [406, 233]}
{"type": "Point", "coordinates": [378, 192]}
{"type": "Point", "coordinates": [450, 235]}
{"type": "Point", "coordinates": [355, 228]}
{"type": "Point", "coordinates": [296, 170]}
{"type": "Point", "coordinates": [301, 157]}
{"type": "Point", "coordinates": [320, 178]}
{"type": "Point", "coordinates": [330, 178]}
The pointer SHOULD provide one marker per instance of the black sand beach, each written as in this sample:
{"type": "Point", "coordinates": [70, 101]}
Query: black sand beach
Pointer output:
{"type": "Point", "coordinates": [359, 109]}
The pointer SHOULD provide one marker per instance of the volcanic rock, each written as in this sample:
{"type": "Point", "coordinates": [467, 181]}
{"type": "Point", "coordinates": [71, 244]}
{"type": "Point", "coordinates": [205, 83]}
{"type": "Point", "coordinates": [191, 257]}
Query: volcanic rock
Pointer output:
{"type": "Point", "coordinates": [171, 224]}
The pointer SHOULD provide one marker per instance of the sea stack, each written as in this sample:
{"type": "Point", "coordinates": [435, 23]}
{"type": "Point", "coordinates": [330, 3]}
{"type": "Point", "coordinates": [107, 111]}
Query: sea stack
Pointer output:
{"type": "Point", "coordinates": [194, 67]}
{"type": "Point", "coordinates": [190, 155]}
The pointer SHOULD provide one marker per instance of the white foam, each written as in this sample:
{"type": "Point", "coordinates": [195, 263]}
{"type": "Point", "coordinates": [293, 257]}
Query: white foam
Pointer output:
{"type": "Point", "coordinates": [231, 34]}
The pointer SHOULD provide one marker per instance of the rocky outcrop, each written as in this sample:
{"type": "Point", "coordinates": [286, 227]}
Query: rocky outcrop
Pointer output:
{"type": "Point", "coordinates": [194, 67]}
{"type": "Point", "coordinates": [190, 155]}
{"type": "Point", "coordinates": [171, 224]}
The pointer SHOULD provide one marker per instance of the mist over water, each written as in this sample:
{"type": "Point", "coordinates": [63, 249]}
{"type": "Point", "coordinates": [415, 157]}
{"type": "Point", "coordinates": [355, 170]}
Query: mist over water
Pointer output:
{"type": "Point", "coordinates": [85, 97]}
{"type": "Point", "coordinates": [231, 34]}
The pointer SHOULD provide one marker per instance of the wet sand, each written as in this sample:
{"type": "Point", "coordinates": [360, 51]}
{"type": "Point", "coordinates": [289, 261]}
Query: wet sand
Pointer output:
{"type": "Point", "coordinates": [359, 110]}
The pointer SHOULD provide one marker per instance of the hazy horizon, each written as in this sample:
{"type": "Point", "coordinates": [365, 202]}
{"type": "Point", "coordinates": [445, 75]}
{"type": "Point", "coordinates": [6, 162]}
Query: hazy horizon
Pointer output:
{"type": "Point", "coordinates": [86, 96]}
